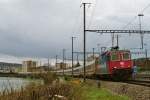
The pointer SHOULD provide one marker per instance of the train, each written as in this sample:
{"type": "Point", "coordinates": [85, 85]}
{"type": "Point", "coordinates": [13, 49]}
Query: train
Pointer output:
{"type": "Point", "coordinates": [114, 63]}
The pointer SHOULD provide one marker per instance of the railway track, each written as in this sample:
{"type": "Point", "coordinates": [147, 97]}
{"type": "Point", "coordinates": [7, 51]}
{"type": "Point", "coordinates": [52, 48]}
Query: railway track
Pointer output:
{"type": "Point", "coordinates": [143, 76]}
{"type": "Point", "coordinates": [139, 82]}
{"type": "Point", "coordinates": [134, 82]}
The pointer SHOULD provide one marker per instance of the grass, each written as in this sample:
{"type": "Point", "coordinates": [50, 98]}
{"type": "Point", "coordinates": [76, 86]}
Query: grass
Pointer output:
{"type": "Point", "coordinates": [93, 93]}
{"type": "Point", "coordinates": [85, 91]}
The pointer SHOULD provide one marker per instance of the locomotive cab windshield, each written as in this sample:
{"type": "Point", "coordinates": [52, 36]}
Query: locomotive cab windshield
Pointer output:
{"type": "Point", "coordinates": [118, 56]}
{"type": "Point", "coordinates": [115, 56]}
{"type": "Point", "coordinates": [126, 56]}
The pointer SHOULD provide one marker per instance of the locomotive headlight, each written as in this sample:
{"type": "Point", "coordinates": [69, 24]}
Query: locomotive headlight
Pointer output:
{"type": "Point", "coordinates": [115, 67]}
{"type": "Point", "coordinates": [122, 63]}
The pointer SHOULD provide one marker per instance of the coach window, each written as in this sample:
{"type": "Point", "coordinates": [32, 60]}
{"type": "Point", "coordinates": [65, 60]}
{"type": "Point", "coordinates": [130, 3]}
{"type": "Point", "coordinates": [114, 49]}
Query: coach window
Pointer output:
{"type": "Point", "coordinates": [115, 56]}
{"type": "Point", "coordinates": [126, 56]}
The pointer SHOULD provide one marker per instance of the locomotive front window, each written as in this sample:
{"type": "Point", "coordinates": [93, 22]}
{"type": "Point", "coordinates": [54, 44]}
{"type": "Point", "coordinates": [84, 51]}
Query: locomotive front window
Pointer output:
{"type": "Point", "coordinates": [126, 56]}
{"type": "Point", "coordinates": [115, 57]}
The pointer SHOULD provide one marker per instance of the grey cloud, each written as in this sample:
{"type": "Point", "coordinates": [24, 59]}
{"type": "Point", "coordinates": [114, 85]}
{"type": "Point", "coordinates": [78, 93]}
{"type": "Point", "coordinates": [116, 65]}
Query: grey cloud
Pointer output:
{"type": "Point", "coordinates": [43, 27]}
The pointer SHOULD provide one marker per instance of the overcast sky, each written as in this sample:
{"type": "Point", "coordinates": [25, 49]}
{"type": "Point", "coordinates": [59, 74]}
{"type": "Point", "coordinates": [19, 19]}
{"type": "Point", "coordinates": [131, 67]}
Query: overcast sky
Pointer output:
{"type": "Point", "coordinates": [42, 28]}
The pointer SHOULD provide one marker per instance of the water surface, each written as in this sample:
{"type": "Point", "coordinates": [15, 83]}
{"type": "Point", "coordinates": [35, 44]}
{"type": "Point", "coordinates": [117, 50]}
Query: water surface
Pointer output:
{"type": "Point", "coordinates": [8, 83]}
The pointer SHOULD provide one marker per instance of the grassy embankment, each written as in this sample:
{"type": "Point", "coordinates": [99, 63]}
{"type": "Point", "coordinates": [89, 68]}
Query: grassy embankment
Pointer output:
{"type": "Point", "coordinates": [93, 93]}
{"type": "Point", "coordinates": [88, 91]}
{"type": "Point", "coordinates": [54, 89]}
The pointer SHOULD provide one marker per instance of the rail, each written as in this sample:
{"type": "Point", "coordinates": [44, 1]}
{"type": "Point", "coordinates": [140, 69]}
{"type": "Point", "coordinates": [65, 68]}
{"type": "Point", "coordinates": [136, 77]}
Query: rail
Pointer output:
{"type": "Point", "coordinates": [138, 82]}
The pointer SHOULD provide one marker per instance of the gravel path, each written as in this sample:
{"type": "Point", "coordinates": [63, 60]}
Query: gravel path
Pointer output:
{"type": "Point", "coordinates": [135, 92]}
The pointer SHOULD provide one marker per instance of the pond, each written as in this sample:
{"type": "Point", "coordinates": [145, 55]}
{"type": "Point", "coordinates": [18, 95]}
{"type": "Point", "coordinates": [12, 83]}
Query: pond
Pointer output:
{"type": "Point", "coordinates": [8, 83]}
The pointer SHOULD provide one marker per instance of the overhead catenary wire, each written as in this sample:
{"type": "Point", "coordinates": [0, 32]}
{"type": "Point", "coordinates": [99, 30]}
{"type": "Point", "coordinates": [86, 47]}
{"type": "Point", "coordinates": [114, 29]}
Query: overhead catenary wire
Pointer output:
{"type": "Point", "coordinates": [76, 29]}
{"type": "Point", "coordinates": [145, 8]}
{"type": "Point", "coordinates": [92, 14]}
{"type": "Point", "coordinates": [130, 22]}
{"type": "Point", "coordinates": [92, 17]}
{"type": "Point", "coordinates": [135, 17]}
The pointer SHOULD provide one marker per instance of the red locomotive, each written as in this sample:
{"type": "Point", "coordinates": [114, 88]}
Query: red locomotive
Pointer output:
{"type": "Point", "coordinates": [115, 63]}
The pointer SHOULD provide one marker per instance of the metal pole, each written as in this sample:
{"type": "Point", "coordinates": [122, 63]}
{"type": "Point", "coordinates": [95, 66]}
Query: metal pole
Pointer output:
{"type": "Point", "coordinates": [146, 58]}
{"type": "Point", "coordinates": [117, 40]}
{"type": "Point", "coordinates": [93, 52]}
{"type": "Point", "coordinates": [72, 55]}
{"type": "Point", "coordinates": [77, 58]}
{"type": "Point", "coordinates": [48, 64]}
{"type": "Point", "coordinates": [84, 39]}
{"type": "Point", "coordinates": [140, 26]}
{"type": "Point", "coordinates": [113, 39]}
{"type": "Point", "coordinates": [84, 47]}
{"type": "Point", "coordinates": [63, 60]}
{"type": "Point", "coordinates": [56, 62]}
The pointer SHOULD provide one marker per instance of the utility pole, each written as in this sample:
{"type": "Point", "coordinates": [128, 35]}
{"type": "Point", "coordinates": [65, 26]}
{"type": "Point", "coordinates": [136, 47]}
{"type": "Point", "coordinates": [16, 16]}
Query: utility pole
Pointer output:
{"type": "Point", "coordinates": [140, 26]}
{"type": "Point", "coordinates": [84, 39]}
{"type": "Point", "coordinates": [77, 58]}
{"type": "Point", "coordinates": [146, 58]}
{"type": "Point", "coordinates": [64, 50]}
{"type": "Point", "coordinates": [56, 62]}
{"type": "Point", "coordinates": [117, 40]}
{"type": "Point", "coordinates": [93, 52]}
{"type": "Point", "coordinates": [48, 64]}
{"type": "Point", "coordinates": [72, 55]}
{"type": "Point", "coordinates": [112, 39]}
